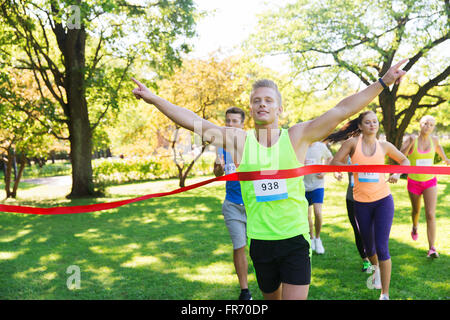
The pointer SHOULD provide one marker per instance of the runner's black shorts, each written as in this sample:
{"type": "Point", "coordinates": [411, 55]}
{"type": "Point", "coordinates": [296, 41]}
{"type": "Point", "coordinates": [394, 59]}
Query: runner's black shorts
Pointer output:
{"type": "Point", "coordinates": [277, 261]}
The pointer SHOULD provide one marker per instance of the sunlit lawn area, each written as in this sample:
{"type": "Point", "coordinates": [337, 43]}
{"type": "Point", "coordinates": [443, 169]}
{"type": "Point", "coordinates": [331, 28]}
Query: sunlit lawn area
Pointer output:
{"type": "Point", "coordinates": [177, 247]}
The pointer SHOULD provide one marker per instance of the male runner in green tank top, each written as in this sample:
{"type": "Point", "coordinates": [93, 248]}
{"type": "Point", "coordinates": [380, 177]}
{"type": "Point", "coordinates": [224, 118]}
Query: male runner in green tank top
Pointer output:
{"type": "Point", "coordinates": [277, 224]}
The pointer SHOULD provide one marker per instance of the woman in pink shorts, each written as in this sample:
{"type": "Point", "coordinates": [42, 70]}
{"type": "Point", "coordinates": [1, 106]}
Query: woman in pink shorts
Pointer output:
{"type": "Point", "coordinates": [421, 152]}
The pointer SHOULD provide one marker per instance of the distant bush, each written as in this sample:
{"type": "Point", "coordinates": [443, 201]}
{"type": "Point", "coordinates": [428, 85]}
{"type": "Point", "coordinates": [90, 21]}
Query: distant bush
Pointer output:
{"type": "Point", "coordinates": [59, 168]}
{"type": "Point", "coordinates": [116, 171]}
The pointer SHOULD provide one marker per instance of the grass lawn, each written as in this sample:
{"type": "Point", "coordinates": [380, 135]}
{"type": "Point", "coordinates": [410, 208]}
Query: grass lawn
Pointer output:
{"type": "Point", "coordinates": [177, 247]}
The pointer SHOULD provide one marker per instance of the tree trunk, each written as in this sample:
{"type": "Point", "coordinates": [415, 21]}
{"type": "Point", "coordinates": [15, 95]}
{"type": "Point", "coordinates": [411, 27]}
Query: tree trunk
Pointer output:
{"type": "Point", "coordinates": [14, 162]}
{"type": "Point", "coordinates": [80, 133]}
{"type": "Point", "coordinates": [22, 163]}
{"type": "Point", "coordinates": [183, 176]}
{"type": "Point", "coordinates": [387, 104]}
{"type": "Point", "coordinates": [8, 174]}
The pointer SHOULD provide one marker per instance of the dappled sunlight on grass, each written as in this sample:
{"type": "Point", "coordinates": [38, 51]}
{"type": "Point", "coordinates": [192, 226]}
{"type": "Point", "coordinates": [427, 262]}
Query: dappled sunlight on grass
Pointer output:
{"type": "Point", "coordinates": [146, 219]}
{"type": "Point", "coordinates": [190, 217]}
{"type": "Point", "coordinates": [89, 234]}
{"type": "Point", "coordinates": [49, 258]}
{"type": "Point", "coordinates": [8, 255]}
{"type": "Point", "coordinates": [322, 271]}
{"type": "Point", "coordinates": [175, 239]}
{"type": "Point", "coordinates": [218, 272]}
{"type": "Point", "coordinates": [30, 273]}
{"type": "Point", "coordinates": [103, 274]}
{"type": "Point", "coordinates": [115, 250]}
{"type": "Point", "coordinates": [50, 276]}
{"type": "Point", "coordinates": [178, 247]}
{"type": "Point", "coordinates": [139, 261]}
{"type": "Point", "coordinates": [439, 286]}
{"type": "Point", "coordinates": [166, 256]}
{"type": "Point", "coordinates": [223, 249]}
{"type": "Point", "coordinates": [18, 235]}
{"type": "Point", "coordinates": [407, 268]}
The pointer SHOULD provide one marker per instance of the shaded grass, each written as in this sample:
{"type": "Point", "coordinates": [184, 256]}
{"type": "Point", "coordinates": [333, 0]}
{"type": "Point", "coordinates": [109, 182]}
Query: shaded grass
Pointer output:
{"type": "Point", "coordinates": [177, 247]}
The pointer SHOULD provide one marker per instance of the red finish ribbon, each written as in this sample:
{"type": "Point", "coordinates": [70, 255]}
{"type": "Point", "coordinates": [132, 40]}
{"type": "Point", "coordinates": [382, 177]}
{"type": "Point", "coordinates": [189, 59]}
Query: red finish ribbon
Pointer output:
{"type": "Point", "coordinates": [238, 176]}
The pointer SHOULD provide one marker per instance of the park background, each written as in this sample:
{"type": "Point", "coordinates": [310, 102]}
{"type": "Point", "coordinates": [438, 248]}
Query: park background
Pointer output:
{"type": "Point", "coordinates": [66, 110]}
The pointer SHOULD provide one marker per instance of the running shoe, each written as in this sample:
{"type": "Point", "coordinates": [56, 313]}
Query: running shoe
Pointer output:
{"type": "Point", "coordinates": [313, 244]}
{"type": "Point", "coordinates": [432, 253]}
{"type": "Point", "coordinates": [376, 278]}
{"type": "Point", "coordinates": [384, 297]}
{"type": "Point", "coordinates": [245, 295]}
{"type": "Point", "coordinates": [414, 234]}
{"type": "Point", "coordinates": [319, 247]}
{"type": "Point", "coordinates": [366, 266]}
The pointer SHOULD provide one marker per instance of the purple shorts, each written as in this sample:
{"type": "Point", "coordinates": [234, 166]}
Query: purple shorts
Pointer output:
{"type": "Point", "coordinates": [417, 187]}
{"type": "Point", "coordinates": [375, 221]}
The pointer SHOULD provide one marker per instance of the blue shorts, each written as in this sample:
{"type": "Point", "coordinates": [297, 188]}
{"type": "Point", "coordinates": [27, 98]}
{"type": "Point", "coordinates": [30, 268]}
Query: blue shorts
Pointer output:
{"type": "Point", "coordinates": [315, 196]}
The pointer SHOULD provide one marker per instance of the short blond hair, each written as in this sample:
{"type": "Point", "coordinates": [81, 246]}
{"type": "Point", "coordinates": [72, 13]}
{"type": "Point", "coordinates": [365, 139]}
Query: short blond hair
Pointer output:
{"type": "Point", "coordinates": [266, 83]}
{"type": "Point", "coordinates": [426, 118]}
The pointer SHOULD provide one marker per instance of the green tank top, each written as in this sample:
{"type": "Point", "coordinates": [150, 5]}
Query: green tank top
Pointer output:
{"type": "Point", "coordinates": [417, 158]}
{"type": "Point", "coordinates": [276, 208]}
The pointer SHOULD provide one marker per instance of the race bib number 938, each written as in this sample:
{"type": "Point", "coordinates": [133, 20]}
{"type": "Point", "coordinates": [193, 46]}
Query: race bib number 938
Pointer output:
{"type": "Point", "coordinates": [270, 190]}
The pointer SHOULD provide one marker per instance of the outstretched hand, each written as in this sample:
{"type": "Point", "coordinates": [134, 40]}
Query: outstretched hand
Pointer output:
{"type": "Point", "coordinates": [338, 176]}
{"type": "Point", "coordinates": [220, 161]}
{"type": "Point", "coordinates": [394, 74]}
{"type": "Point", "coordinates": [142, 91]}
{"type": "Point", "coordinates": [393, 178]}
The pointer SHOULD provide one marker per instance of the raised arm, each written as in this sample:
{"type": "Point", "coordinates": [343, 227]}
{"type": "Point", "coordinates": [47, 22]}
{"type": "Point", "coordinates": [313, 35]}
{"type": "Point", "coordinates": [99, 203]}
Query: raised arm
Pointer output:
{"type": "Point", "coordinates": [395, 154]}
{"type": "Point", "coordinates": [398, 156]}
{"type": "Point", "coordinates": [210, 132]}
{"type": "Point", "coordinates": [340, 158]}
{"type": "Point", "coordinates": [322, 126]}
{"type": "Point", "coordinates": [406, 146]}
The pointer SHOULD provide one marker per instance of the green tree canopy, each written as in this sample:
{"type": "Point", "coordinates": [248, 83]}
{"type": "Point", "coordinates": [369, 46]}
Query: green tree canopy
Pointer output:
{"type": "Point", "coordinates": [81, 52]}
{"type": "Point", "coordinates": [20, 134]}
{"type": "Point", "coordinates": [329, 41]}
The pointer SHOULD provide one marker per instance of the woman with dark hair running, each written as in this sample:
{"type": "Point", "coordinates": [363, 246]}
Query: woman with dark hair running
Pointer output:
{"type": "Point", "coordinates": [373, 202]}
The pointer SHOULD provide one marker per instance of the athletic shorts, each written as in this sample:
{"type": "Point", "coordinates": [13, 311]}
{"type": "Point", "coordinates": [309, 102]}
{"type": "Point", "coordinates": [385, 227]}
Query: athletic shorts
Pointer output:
{"type": "Point", "coordinates": [315, 196]}
{"type": "Point", "coordinates": [417, 187]}
{"type": "Point", "coordinates": [236, 222]}
{"type": "Point", "coordinates": [277, 261]}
